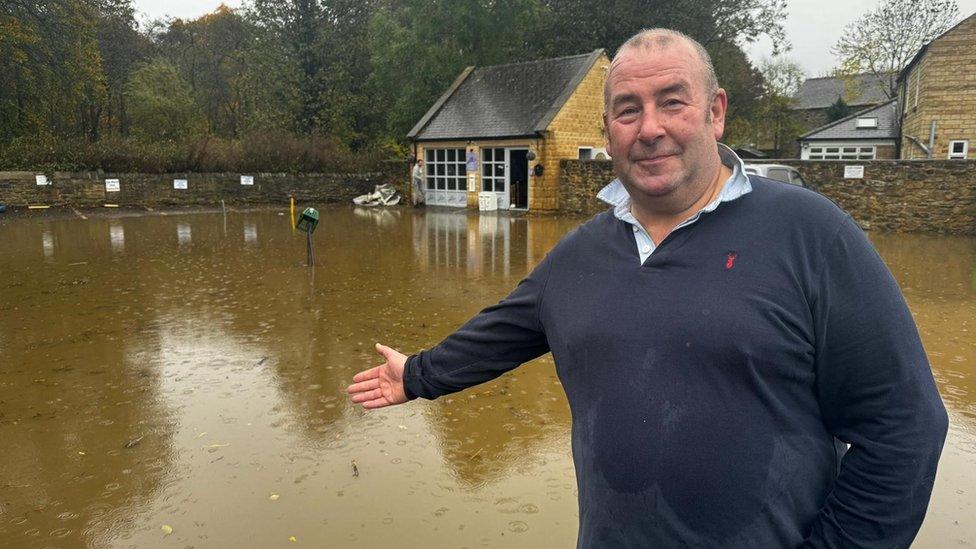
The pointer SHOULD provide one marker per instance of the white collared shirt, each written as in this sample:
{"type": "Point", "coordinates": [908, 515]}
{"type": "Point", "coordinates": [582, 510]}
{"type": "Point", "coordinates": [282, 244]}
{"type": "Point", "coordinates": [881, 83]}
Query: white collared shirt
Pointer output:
{"type": "Point", "coordinates": [617, 196]}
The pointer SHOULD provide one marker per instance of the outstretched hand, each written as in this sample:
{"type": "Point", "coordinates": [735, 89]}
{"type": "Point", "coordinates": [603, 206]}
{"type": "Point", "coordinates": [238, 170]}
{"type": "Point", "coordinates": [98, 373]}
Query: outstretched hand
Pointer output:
{"type": "Point", "coordinates": [383, 385]}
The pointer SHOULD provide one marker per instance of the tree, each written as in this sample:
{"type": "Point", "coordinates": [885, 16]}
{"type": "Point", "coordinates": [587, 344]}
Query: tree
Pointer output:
{"type": "Point", "coordinates": [838, 110]}
{"type": "Point", "coordinates": [779, 124]}
{"type": "Point", "coordinates": [576, 26]}
{"type": "Point", "coordinates": [308, 68]}
{"type": "Point", "coordinates": [209, 53]}
{"type": "Point", "coordinates": [884, 40]}
{"type": "Point", "coordinates": [418, 47]}
{"type": "Point", "coordinates": [122, 49]}
{"type": "Point", "coordinates": [50, 67]}
{"type": "Point", "coordinates": [161, 105]}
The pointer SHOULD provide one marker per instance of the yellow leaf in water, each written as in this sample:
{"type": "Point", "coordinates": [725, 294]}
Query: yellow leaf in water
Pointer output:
{"type": "Point", "coordinates": [167, 529]}
{"type": "Point", "coordinates": [274, 497]}
{"type": "Point", "coordinates": [292, 539]}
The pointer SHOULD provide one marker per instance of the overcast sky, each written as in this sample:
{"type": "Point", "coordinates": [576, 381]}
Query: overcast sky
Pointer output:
{"type": "Point", "coordinates": [812, 26]}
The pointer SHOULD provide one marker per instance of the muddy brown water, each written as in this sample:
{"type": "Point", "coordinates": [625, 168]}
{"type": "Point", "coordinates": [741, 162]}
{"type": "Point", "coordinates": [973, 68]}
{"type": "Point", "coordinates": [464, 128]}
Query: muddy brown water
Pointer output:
{"type": "Point", "coordinates": [178, 381]}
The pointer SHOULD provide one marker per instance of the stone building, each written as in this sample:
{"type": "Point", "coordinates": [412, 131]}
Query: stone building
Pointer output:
{"type": "Point", "coordinates": [937, 91]}
{"type": "Point", "coordinates": [499, 132]}
{"type": "Point", "coordinates": [816, 95]}
{"type": "Point", "coordinates": [871, 134]}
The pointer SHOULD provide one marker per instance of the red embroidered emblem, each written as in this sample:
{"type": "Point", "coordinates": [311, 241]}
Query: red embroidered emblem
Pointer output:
{"type": "Point", "coordinates": [730, 260]}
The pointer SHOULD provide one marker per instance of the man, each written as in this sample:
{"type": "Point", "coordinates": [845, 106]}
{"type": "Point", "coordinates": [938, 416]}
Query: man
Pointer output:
{"type": "Point", "coordinates": [719, 339]}
{"type": "Point", "coordinates": [417, 178]}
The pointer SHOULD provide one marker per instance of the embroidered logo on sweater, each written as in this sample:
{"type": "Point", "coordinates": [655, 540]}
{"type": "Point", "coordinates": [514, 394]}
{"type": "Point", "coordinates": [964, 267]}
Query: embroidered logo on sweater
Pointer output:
{"type": "Point", "coordinates": [730, 260]}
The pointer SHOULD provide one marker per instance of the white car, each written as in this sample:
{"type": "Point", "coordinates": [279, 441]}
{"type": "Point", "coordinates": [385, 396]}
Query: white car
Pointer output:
{"type": "Point", "coordinates": [778, 172]}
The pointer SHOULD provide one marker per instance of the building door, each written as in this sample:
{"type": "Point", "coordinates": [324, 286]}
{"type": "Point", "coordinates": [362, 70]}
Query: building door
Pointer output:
{"type": "Point", "coordinates": [505, 172]}
{"type": "Point", "coordinates": [518, 178]}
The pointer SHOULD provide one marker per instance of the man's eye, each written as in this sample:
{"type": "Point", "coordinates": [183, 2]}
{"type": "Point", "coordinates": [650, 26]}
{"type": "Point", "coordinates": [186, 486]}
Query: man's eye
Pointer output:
{"type": "Point", "coordinates": [627, 111]}
{"type": "Point", "coordinates": [673, 103]}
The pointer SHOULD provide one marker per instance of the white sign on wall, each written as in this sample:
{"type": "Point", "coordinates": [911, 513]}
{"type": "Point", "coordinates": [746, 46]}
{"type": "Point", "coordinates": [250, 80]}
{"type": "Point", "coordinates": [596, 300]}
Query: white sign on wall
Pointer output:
{"type": "Point", "coordinates": [472, 182]}
{"type": "Point", "coordinates": [179, 183]}
{"type": "Point", "coordinates": [41, 180]}
{"type": "Point", "coordinates": [247, 180]}
{"type": "Point", "coordinates": [853, 172]}
{"type": "Point", "coordinates": [112, 186]}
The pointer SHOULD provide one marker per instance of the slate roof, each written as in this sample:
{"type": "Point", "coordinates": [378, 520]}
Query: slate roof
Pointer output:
{"type": "Point", "coordinates": [514, 100]}
{"type": "Point", "coordinates": [846, 128]}
{"type": "Point", "coordinates": [820, 93]}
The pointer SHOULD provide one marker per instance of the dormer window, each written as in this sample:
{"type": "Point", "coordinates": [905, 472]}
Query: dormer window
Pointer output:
{"type": "Point", "coordinates": [867, 123]}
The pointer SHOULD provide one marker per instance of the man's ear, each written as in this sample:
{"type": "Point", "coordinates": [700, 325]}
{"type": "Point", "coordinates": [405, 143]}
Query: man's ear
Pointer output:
{"type": "Point", "coordinates": [720, 104]}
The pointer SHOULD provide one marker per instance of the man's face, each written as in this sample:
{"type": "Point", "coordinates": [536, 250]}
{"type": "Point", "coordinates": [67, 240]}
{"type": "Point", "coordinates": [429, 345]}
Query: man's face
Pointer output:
{"type": "Point", "coordinates": [662, 126]}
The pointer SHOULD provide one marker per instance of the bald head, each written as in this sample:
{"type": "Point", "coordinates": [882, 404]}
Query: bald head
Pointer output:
{"type": "Point", "coordinates": [651, 40]}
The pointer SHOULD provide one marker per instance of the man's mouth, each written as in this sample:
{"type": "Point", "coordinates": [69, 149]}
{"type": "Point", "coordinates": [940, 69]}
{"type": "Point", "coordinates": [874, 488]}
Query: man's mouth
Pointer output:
{"type": "Point", "coordinates": [651, 160]}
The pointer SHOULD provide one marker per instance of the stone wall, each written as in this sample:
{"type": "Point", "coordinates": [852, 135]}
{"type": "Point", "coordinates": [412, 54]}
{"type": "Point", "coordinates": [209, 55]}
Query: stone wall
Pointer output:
{"type": "Point", "coordinates": [937, 196]}
{"type": "Point", "coordinates": [87, 189]}
{"type": "Point", "coordinates": [579, 123]}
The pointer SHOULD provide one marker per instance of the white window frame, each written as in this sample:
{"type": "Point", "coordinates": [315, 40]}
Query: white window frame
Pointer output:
{"type": "Point", "coordinates": [867, 123]}
{"type": "Point", "coordinates": [446, 169]}
{"type": "Point", "coordinates": [965, 149]}
{"type": "Point", "coordinates": [491, 179]}
{"type": "Point", "coordinates": [835, 151]}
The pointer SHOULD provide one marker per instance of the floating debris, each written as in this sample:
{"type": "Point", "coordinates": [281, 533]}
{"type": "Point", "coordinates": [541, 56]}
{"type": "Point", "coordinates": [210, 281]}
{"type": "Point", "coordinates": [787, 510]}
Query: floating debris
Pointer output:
{"type": "Point", "coordinates": [167, 529]}
{"type": "Point", "coordinates": [134, 442]}
{"type": "Point", "coordinates": [382, 195]}
{"type": "Point", "coordinates": [355, 469]}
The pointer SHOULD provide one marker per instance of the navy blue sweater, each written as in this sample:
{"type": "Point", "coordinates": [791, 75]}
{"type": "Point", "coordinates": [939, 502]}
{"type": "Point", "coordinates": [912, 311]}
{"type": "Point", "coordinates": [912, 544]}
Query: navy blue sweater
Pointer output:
{"type": "Point", "coordinates": [707, 385]}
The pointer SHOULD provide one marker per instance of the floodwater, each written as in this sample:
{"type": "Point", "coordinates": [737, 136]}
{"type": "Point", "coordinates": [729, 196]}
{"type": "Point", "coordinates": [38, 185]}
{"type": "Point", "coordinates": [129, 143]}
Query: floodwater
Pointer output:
{"type": "Point", "coordinates": [179, 381]}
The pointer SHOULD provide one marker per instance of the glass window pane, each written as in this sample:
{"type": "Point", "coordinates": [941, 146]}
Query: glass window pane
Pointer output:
{"type": "Point", "coordinates": [430, 155]}
{"type": "Point", "coordinates": [441, 183]}
{"type": "Point", "coordinates": [499, 170]}
{"type": "Point", "coordinates": [430, 183]}
{"type": "Point", "coordinates": [451, 155]}
{"type": "Point", "coordinates": [440, 155]}
{"type": "Point", "coordinates": [850, 149]}
{"type": "Point", "coordinates": [486, 153]}
{"type": "Point", "coordinates": [832, 149]}
{"type": "Point", "coordinates": [451, 169]}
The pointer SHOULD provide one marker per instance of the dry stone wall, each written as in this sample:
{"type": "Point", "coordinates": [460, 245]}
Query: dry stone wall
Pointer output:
{"type": "Point", "coordinates": [936, 196]}
{"type": "Point", "coordinates": [88, 189]}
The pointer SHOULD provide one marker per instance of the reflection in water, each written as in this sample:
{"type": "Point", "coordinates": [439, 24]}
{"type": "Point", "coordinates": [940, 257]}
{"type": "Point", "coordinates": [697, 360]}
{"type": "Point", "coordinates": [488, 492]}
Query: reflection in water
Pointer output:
{"type": "Point", "coordinates": [184, 234]}
{"type": "Point", "coordinates": [117, 236]}
{"type": "Point", "coordinates": [250, 232]}
{"type": "Point", "coordinates": [166, 388]}
{"type": "Point", "coordinates": [47, 242]}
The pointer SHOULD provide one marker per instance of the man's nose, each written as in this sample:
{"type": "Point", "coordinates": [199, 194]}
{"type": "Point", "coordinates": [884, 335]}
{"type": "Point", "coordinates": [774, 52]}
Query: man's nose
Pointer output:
{"type": "Point", "coordinates": [651, 128]}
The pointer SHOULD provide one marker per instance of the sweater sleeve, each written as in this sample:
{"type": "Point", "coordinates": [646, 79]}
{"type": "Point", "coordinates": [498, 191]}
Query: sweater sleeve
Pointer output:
{"type": "Point", "coordinates": [876, 392]}
{"type": "Point", "coordinates": [493, 342]}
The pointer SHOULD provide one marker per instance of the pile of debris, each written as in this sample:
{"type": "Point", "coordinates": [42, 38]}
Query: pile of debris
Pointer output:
{"type": "Point", "coordinates": [382, 195]}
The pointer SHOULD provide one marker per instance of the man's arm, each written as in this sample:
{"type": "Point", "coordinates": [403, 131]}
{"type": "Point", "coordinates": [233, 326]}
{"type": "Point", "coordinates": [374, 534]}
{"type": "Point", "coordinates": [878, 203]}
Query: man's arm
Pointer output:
{"type": "Point", "coordinates": [876, 393]}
